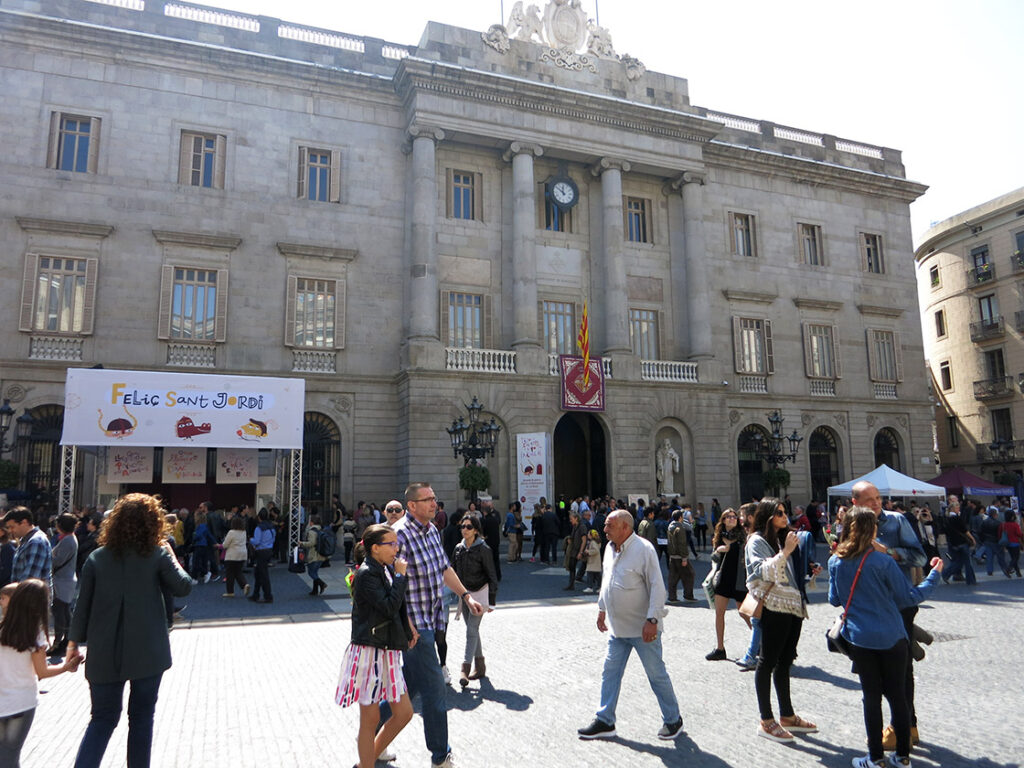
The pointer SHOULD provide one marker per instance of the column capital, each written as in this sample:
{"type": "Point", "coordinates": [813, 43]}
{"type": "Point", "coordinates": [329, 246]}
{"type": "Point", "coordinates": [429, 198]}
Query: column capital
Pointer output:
{"type": "Point", "coordinates": [420, 131]}
{"type": "Point", "coordinates": [521, 148]}
{"type": "Point", "coordinates": [610, 163]}
{"type": "Point", "coordinates": [689, 177]}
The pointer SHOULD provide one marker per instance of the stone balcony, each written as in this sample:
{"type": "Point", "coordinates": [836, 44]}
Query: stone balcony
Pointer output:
{"type": "Point", "coordinates": [755, 385]}
{"type": "Point", "coordinates": [823, 388]}
{"type": "Point", "coordinates": [606, 366]}
{"type": "Point", "coordinates": [987, 329]}
{"type": "Point", "coordinates": [991, 389]}
{"type": "Point", "coordinates": [479, 360]}
{"type": "Point", "coordinates": [191, 355]}
{"type": "Point", "coordinates": [981, 275]}
{"type": "Point", "coordinates": [314, 361]}
{"type": "Point", "coordinates": [885, 390]}
{"type": "Point", "coordinates": [669, 371]}
{"type": "Point", "coordinates": [61, 348]}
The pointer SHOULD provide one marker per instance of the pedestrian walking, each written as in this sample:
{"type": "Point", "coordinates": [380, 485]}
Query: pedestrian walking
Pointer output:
{"type": "Point", "coordinates": [631, 604]}
{"type": "Point", "coordinates": [874, 591]}
{"type": "Point", "coordinates": [313, 557]}
{"type": "Point", "coordinates": [234, 557]}
{"type": "Point", "coordinates": [730, 579]}
{"type": "Point", "coordinates": [65, 582]}
{"type": "Point", "coordinates": [429, 572]}
{"type": "Point", "coordinates": [771, 581]}
{"type": "Point", "coordinates": [32, 559]}
{"type": "Point", "coordinates": [1010, 531]}
{"type": "Point", "coordinates": [371, 671]}
{"type": "Point", "coordinates": [959, 541]}
{"type": "Point", "coordinates": [263, 547]}
{"type": "Point", "coordinates": [120, 614]}
{"type": "Point", "coordinates": [991, 531]}
{"type": "Point", "coordinates": [474, 566]}
{"type": "Point", "coordinates": [679, 566]}
{"type": "Point", "coordinates": [593, 563]}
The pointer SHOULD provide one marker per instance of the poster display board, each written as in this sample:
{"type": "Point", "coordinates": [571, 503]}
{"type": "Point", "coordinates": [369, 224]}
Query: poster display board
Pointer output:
{"type": "Point", "coordinates": [533, 471]}
{"type": "Point", "coordinates": [151, 408]}
{"type": "Point", "coordinates": [237, 465]}
{"type": "Point", "coordinates": [184, 465]}
{"type": "Point", "coordinates": [129, 464]}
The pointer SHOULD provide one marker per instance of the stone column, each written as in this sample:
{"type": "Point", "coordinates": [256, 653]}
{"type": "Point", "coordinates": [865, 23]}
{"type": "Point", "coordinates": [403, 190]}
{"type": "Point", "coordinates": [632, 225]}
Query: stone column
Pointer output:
{"type": "Point", "coordinates": [698, 300]}
{"type": "Point", "coordinates": [422, 295]}
{"type": "Point", "coordinates": [525, 342]}
{"type": "Point", "coordinates": [610, 261]}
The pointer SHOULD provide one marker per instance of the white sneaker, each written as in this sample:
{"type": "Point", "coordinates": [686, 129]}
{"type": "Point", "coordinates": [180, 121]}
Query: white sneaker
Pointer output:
{"type": "Point", "coordinates": [206, 578]}
{"type": "Point", "coordinates": [447, 677]}
{"type": "Point", "coordinates": [588, 591]}
{"type": "Point", "coordinates": [387, 756]}
{"type": "Point", "coordinates": [867, 762]}
{"type": "Point", "coordinates": [448, 762]}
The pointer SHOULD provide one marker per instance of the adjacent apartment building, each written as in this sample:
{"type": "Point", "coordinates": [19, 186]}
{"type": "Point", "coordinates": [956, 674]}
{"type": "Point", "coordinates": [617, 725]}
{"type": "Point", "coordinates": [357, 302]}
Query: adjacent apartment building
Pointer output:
{"type": "Point", "coordinates": [409, 226]}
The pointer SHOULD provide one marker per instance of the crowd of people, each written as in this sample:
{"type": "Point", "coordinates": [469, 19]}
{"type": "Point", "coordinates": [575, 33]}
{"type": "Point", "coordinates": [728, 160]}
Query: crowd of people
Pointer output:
{"type": "Point", "coordinates": [103, 578]}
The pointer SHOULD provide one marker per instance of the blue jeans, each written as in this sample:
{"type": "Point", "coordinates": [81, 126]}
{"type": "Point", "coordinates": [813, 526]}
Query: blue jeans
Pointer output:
{"type": "Point", "coordinates": [314, 569]}
{"type": "Point", "coordinates": [106, 712]}
{"type": "Point", "coordinates": [657, 675]}
{"type": "Point", "coordinates": [755, 640]}
{"type": "Point", "coordinates": [423, 677]}
{"type": "Point", "coordinates": [13, 732]}
{"type": "Point", "coordinates": [995, 552]}
{"type": "Point", "coordinates": [960, 559]}
{"type": "Point", "coordinates": [474, 648]}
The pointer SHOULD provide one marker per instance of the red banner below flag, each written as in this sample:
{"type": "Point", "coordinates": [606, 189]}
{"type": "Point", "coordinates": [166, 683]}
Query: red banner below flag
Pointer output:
{"type": "Point", "coordinates": [579, 394]}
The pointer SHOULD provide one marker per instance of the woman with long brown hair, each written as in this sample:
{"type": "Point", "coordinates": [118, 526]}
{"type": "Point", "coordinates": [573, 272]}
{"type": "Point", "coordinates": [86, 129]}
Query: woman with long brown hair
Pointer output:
{"type": "Point", "coordinates": [120, 614]}
{"type": "Point", "coordinates": [730, 580]}
{"type": "Point", "coordinates": [772, 580]}
{"type": "Point", "coordinates": [874, 628]}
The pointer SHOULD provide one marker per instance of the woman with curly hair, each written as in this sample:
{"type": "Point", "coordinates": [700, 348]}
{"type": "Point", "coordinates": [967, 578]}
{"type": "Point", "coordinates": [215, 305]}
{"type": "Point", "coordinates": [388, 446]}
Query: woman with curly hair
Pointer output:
{"type": "Point", "coordinates": [120, 614]}
{"type": "Point", "coordinates": [730, 581]}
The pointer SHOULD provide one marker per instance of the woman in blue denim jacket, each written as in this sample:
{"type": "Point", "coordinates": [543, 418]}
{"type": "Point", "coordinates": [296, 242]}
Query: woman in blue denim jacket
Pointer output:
{"type": "Point", "coordinates": [875, 629]}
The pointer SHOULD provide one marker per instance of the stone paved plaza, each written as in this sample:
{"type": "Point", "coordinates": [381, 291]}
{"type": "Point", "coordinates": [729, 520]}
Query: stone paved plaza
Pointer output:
{"type": "Point", "coordinates": [255, 687]}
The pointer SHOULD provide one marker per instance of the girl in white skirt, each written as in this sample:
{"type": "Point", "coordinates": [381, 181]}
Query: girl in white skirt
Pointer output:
{"type": "Point", "coordinates": [371, 671]}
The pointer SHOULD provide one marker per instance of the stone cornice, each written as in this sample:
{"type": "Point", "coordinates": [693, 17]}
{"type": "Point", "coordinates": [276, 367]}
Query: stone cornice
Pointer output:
{"type": "Point", "coordinates": [609, 163]}
{"type": "Point", "coordinates": [822, 304]}
{"type": "Point", "coordinates": [754, 297]}
{"type": "Point", "coordinates": [317, 252]}
{"type": "Point", "coordinates": [813, 172]}
{"type": "Point", "coordinates": [197, 240]}
{"type": "Point", "coordinates": [58, 227]}
{"type": "Point", "coordinates": [879, 310]}
{"type": "Point", "coordinates": [415, 75]}
{"type": "Point", "coordinates": [520, 148]}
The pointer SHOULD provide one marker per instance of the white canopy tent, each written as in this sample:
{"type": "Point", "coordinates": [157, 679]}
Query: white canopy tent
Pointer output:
{"type": "Point", "coordinates": [889, 482]}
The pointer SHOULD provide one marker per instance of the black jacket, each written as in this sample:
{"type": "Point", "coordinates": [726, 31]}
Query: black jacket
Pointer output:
{"type": "Point", "coordinates": [474, 566]}
{"type": "Point", "coordinates": [379, 617]}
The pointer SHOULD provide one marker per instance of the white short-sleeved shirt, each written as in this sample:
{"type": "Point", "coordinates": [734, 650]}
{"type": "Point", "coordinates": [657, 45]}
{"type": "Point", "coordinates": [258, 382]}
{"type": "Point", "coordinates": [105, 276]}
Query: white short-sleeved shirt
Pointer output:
{"type": "Point", "coordinates": [19, 691]}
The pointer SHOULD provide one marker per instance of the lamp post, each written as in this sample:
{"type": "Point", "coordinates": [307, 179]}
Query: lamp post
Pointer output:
{"type": "Point", "coordinates": [776, 450]}
{"type": "Point", "coordinates": [22, 430]}
{"type": "Point", "coordinates": [1002, 451]}
{"type": "Point", "coordinates": [476, 439]}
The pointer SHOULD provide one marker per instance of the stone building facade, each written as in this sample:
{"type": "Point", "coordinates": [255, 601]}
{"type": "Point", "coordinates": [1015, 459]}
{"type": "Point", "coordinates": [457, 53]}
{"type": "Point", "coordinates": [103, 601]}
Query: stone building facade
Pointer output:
{"type": "Point", "coordinates": [970, 273]}
{"type": "Point", "coordinates": [191, 189]}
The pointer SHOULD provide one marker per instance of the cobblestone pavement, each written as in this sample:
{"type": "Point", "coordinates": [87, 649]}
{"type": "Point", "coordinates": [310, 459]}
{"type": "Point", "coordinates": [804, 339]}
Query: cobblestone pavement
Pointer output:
{"type": "Point", "coordinates": [253, 685]}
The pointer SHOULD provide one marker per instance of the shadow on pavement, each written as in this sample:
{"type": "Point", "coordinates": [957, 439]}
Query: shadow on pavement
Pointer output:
{"type": "Point", "coordinates": [683, 751]}
{"type": "Point", "coordinates": [819, 674]}
{"type": "Point", "coordinates": [470, 698]}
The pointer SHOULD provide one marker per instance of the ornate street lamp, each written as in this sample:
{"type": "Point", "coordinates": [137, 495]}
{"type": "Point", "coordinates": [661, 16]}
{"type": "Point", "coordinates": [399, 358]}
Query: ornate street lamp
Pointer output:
{"type": "Point", "coordinates": [1002, 451]}
{"type": "Point", "coordinates": [778, 447]}
{"type": "Point", "coordinates": [476, 439]}
{"type": "Point", "coordinates": [22, 431]}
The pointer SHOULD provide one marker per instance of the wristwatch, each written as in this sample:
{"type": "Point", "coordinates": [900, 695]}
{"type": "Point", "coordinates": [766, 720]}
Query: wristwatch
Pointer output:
{"type": "Point", "coordinates": [653, 621]}
{"type": "Point", "coordinates": [463, 596]}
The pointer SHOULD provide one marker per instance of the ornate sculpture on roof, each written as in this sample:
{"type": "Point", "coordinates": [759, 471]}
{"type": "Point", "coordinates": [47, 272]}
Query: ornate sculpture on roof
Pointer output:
{"type": "Point", "coordinates": [572, 40]}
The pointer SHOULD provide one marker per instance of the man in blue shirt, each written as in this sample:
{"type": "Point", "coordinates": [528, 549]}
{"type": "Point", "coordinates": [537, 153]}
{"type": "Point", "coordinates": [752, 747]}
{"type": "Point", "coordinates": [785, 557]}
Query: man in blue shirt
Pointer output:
{"type": "Point", "coordinates": [32, 558]}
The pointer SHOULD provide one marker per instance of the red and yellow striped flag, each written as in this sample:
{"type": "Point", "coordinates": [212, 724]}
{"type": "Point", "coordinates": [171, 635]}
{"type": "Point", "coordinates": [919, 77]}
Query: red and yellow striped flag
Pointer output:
{"type": "Point", "coordinates": [583, 340]}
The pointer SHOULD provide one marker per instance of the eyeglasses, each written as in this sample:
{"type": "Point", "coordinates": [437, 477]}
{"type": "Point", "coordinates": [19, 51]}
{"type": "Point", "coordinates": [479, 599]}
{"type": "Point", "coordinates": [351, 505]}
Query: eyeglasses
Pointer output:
{"type": "Point", "coordinates": [427, 498]}
{"type": "Point", "coordinates": [780, 513]}
{"type": "Point", "coordinates": [393, 509]}
{"type": "Point", "coordinates": [728, 517]}
{"type": "Point", "coordinates": [467, 525]}
{"type": "Point", "coordinates": [387, 543]}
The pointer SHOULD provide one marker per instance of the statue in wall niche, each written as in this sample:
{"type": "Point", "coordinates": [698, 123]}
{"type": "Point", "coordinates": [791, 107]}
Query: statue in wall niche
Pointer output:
{"type": "Point", "coordinates": [666, 466]}
{"type": "Point", "coordinates": [599, 41]}
{"type": "Point", "coordinates": [525, 25]}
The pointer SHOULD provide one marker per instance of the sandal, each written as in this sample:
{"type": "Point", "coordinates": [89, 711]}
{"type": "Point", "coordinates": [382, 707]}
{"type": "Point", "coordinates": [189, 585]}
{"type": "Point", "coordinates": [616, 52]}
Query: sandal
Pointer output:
{"type": "Point", "coordinates": [798, 724]}
{"type": "Point", "coordinates": [772, 730]}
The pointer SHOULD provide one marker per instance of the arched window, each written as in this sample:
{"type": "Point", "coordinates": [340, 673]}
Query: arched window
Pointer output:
{"type": "Point", "coordinates": [751, 468]}
{"type": "Point", "coordinates": [824, 457]}
{"type": "Point", "coordinates": [321, 462]}
{"type": "Point", "coordinates": [887, 449]}
{"type": "Point", "coordinates": [41, 457]}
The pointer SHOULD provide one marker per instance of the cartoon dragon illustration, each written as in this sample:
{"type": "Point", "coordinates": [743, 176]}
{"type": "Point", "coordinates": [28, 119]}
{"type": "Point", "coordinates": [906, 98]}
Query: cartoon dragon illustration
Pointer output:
{"type": "Point", "coordinates": [187, 429]}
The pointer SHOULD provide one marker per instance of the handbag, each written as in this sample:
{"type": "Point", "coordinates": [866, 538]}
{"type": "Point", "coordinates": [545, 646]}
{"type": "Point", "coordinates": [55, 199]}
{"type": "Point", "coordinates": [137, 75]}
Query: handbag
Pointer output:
{"type": "Point", "coordinates": [709, 588]}
{"type": "Point", "coordinates": [834, 637]}
{"type": "Point", "coordinates": [751, 606]}
{"type": "Point", "coordinates": [1004, 540]}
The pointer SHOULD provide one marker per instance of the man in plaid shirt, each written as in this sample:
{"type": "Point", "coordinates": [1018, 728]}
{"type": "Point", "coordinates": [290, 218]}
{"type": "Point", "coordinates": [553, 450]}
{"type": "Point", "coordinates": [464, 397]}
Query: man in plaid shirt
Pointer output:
{"type": "Point", "coordinates": [428, 573]}
{"type": "Point", "coordinates": [32, 559]}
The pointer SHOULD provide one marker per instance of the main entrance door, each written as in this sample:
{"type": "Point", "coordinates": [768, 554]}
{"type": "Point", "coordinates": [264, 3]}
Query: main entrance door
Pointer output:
{"type": "Point", "coordinates": [581, 464]}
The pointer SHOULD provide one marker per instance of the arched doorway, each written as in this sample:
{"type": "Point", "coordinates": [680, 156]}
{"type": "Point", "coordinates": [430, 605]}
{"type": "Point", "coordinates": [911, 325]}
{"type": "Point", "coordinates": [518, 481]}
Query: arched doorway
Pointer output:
{"type": "Point", "coordinates": [580, 457]}
{"type": "Point", "coordinates": [887, 449]}
{"type": "Point", "coordinates": [823, 450]}
{"type": "Point", "coordinates": [41, 456]}
{"type": "Point", "coordinates": [751, 468]}
{"type": "Point", "coordinates": [321, 461]}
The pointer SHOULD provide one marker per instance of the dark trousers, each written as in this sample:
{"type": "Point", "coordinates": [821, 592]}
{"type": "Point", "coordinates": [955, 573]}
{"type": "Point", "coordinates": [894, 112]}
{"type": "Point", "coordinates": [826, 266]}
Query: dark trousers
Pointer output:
{"type": "Point", "coordinates": [233, 573]}
{"type": "Point", "coordinates": [780, 633]}
{"type": "Point", "coordinates": [677, 571]}
{"type": "Point", "coordinates": [348, 550]}
{"type": "Point", "coordinates": [13, 732]}
{"type": "Point", "coordinates": [261, 574]}
{"type": "Point", "coordinates": [202, 561]}
{"type": "Point", "coordinates": [61, 622]}
{"type": "Point", "coordinates": [549, 552]}
{"type": "Point", "coordinates": [884, 673]}
{"type": "Point", "coordinates": [908, 615]}
{"type": "Point", "coordinates": [1013, 550]}
{"type": "Point", "coordinates": [106, 712]}
{"type": "Point", "coordinates": [538, 545]}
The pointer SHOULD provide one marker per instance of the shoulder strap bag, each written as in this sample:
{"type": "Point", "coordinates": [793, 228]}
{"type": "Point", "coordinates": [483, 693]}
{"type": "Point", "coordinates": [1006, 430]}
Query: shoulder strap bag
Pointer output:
{"type": "Point", "coordinates": [834, 636]}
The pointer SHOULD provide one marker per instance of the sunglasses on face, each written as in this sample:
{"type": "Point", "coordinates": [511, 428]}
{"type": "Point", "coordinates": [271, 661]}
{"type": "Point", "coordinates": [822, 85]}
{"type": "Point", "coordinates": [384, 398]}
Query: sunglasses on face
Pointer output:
{"type": "Point", "coordinates": [470, 527]}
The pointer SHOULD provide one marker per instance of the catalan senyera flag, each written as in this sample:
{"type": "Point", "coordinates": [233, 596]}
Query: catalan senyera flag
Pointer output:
{"type": "Point", "coordinates": [583, 340]}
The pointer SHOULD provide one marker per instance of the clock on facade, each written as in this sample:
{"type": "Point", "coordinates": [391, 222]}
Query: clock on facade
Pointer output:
{"type": "Point", "coordinates": [563, 192]}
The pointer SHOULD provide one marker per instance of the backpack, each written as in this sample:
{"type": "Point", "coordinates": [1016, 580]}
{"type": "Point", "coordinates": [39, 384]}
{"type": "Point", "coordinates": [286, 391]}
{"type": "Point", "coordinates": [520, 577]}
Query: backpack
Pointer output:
{"type": "Point", "coordinates": [326, 543]}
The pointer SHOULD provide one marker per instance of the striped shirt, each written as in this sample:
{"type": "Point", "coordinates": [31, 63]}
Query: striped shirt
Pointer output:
{"type": "Point", "coordinates": [421, 546]}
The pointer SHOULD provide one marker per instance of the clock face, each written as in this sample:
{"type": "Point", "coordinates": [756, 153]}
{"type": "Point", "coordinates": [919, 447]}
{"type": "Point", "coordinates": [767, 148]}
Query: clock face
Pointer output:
{"type": "Point", "coordinates": [563, 193]}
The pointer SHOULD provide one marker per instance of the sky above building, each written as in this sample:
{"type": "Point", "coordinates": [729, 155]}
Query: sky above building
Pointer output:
{"type": "Point", "coordinates": [929, 77]}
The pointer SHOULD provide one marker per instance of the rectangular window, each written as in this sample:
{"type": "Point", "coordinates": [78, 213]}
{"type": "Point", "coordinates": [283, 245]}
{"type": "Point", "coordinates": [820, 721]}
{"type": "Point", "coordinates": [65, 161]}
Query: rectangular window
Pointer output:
{"type": "Point", "coordinates": [979, 256]}
{"type": "Point", "coordinates": [643, 333]}
{"type": "Point", "coordinates": [820, 348]}
{"type": "Point", "coordinates": [885, 356]}
{"type": "Point", "coordinates": [555, 219]}
{"type": "Point", "coordinates": [61, 295]}
{"type": "Point", "coordinates": [465, 320]}
{"type": "Point", "coordinates": [995, 366]}
{"type": "Point", "coordinates": [752, 343]}
{"type": "Point", "coordinates": [945, 376]}
{"type": "Point", "coordinates": [315, 311]}
{"type": "Point", "coordinates": [194, 304]}
{"type": "Point", "coordinates": [462, 195]}
{"type": "Point", "coordinates": [1002, 424]}
{"type": "Point", "coordinates": [319, 175]}
{"type": "Point", "coordinates": [953, 425]}
{"type": "Point", "coordinates": [933, 275]}
{"type": "Point", "coordinates": [201, 160]}
{"type": "Point", "coordinates": [1018, 240]}
{"type": "Point", "coordinates": [742, 234]}
{"type": "Point", "coordinates": [810, 245]}
{"type": "Point", "coordinates": [871, 250]}
{"type": "Point", "coordinates": [988, 309]}
{"type": "Point", "coordinates": [560, 327]}
{"type": "Point", "coordinates": [940, 323]}
{"type": "Point", "coordinates": [638, 226]}
{"type": "Point", "coordinates": [74, 143]}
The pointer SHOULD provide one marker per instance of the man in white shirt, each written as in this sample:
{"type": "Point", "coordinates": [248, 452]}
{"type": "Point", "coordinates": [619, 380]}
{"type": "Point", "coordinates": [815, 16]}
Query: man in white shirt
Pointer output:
{"type": "Point", "coordinates": [632, 600]}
